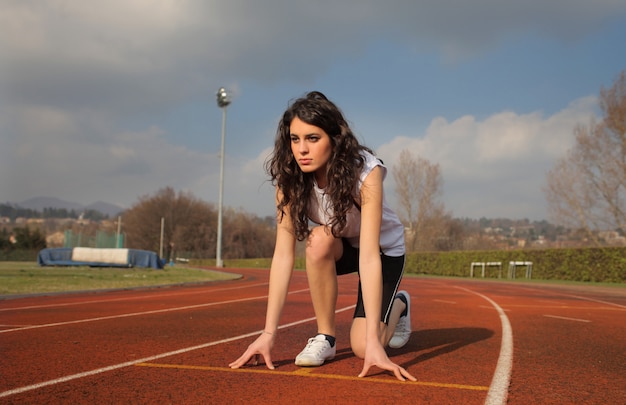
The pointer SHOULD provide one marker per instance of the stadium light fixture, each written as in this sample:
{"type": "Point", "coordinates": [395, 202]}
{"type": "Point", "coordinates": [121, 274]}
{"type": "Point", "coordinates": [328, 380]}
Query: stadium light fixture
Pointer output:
{"type": "Point", "coordinates": [223, 100]}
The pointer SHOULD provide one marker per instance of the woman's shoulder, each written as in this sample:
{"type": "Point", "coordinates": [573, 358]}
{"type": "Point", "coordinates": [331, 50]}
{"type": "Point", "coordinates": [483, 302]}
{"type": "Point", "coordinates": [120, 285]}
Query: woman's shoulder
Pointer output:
{"type": "Point", "coordinates": [370, 161]}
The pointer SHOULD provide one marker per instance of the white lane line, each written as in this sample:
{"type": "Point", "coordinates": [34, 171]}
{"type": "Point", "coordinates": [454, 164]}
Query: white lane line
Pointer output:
{"type": "Point", "coordinates": [490, 307]}
{"type": "Point", "coordinates": [576, 296]}
{"type": "Point", "coordinates": [567, 319]}
{"type": "Point", "coordinates": [145, 296]}
{"type": "Point", "coordinates": [499, 387]}
{"type": "Point", "coordinates": [595, 300]}
{"type": "Point", "coordinates": [156, 311]}
{"type": "Point", "coordinates": [151, 358]}
{"type": "Point", "coordinates": [445, 302]}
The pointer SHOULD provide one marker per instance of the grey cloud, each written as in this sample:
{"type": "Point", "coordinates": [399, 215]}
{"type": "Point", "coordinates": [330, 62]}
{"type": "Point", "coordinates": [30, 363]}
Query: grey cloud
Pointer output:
{"type": "Point", "coordinates": [72, 71]}
{"type": "Point", "coordinates": [122, 54]}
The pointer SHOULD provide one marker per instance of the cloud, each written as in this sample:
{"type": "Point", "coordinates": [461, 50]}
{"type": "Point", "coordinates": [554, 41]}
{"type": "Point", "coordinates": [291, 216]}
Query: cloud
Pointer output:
{"type": "Point", "coordinates": [137, 52]}
{"type": "Point", "coordinates": [132, 57]}
{"type": "Point", "coordinates": [248, 186]}
{"type": "Point", "coordinates": [491, 167]}
{"type": "Point", "coordinates": [497, 166]}
{"type": "Point", "coordinates": [85, 87]}
{"type": "Point", "coordinates": [52, 157]}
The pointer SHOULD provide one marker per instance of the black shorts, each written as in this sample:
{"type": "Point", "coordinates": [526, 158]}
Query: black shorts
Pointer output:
{"type": "Point", "coordinates": [393, 269]}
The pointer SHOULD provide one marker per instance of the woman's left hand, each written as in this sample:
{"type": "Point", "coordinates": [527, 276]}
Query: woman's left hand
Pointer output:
{"type": "Point", "coordinates": [375, 355]}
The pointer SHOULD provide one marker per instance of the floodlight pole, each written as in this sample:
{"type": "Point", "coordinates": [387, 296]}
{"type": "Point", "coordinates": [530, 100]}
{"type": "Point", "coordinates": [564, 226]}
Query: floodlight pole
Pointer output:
{"type": "Point", "coordinates": [222, 102]}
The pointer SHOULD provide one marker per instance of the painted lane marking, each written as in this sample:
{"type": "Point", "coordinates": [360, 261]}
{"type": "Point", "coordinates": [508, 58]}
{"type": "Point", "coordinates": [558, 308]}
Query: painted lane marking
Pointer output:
{"type": "Point", "coordinates": [578, 297]}
{"type": "Point", "coordinates": [567, 319]}
{"type": "Point", "coordinates": [490, 307]}
{"type": "Point", "coordinates": [598, 301]}
{"type": "Point", "coordinates": [445, 302]}
{"type": "Point", "coordinates": [309, 373]}
{"type": "Point", "coordinates": [103, 318]}
{"type": "Point", "coordinates": [128, 315]}
{"type": "Point", "coordinates": [564, 307]}
{"type": "Point", "coordinates": [146, 296]}
{"type": "Point", "coordinates": [499, 387]}
{"type": "Point", "coordinates": [151, 358]}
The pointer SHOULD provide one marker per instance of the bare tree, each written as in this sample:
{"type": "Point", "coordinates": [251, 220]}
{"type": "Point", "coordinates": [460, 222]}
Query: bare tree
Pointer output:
{"type": "Point", "coordinates": [191, 228]}
{"type": "Point", "coordinates": [586, 189]}
{"type": "Point", "coordinates": [189, 223]}
{"type": "Point", "coordinates": [419, 188]}
{"type": "Point", "coordinates": [406, 175]}
{"type": "Point", "coordinates": [247, 236]}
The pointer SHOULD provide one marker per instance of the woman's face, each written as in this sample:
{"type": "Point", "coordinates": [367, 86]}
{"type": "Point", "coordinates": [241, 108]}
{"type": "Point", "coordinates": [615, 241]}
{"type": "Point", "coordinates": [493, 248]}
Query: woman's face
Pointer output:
{"type": "Point", "coordinates": [311, 147]}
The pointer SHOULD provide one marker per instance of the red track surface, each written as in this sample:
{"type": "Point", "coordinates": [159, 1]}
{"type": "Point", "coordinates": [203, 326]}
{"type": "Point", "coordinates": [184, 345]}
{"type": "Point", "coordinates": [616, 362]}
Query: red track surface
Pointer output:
{"type": "Point", "coordinates": [474, 342]}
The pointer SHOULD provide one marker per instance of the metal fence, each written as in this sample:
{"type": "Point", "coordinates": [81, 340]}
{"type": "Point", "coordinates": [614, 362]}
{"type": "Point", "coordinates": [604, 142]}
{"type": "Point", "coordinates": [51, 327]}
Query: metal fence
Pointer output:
{"type": "Point", "coordinates": [100, 240]}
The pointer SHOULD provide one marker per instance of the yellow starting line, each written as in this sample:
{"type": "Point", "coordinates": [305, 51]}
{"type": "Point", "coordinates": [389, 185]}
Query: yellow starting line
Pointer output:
{"type": "Point", "coordinates": [303, 372]}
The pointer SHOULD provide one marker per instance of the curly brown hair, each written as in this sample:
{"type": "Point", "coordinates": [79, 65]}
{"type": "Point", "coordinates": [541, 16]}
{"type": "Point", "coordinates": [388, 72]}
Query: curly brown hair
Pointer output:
{"type": "Point", "coordinates": [343, 168]}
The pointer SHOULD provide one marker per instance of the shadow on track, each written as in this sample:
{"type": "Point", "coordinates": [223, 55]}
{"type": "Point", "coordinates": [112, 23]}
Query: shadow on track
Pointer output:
{"type": "Point", "coordinates": [442, 341]}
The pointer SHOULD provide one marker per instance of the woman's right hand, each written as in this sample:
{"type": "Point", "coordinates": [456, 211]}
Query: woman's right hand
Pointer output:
{"type": "Point", "coordinates": [261, 346]}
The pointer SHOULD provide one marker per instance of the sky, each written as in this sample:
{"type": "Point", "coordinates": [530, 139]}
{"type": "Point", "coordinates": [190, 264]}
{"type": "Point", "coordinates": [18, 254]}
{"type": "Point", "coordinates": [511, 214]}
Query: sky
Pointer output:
{"type": "Point", "coordinates": [112, 101]}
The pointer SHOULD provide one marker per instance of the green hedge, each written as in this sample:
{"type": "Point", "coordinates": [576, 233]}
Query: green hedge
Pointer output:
{"type": "Point", "coordinates": [19, 255]}
{"type": "Point", "coordinates": [588, 264]}
{"type": "Point", "coordinates": [606, 265]}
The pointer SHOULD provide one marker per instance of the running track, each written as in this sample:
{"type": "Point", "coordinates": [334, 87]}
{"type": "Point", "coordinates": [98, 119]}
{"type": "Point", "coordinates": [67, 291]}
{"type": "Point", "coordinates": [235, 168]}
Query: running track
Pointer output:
{"type": "Point", "coordinates": [474, 342]}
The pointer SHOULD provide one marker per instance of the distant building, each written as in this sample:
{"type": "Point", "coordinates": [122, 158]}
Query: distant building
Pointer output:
{"type": "Point", "coordinates": [612, 238]}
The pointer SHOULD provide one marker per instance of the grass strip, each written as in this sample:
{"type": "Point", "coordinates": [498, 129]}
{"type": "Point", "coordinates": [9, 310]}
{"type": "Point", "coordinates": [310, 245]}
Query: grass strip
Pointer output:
{"type": "Point", "coordinates": [18, 278]}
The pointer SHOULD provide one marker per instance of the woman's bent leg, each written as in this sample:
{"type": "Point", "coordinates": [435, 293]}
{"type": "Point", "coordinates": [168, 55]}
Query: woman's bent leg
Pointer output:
{"type": "Point", "coordinates": [322, 251]}
{"type": "Point", "coordinates": [357, 331]}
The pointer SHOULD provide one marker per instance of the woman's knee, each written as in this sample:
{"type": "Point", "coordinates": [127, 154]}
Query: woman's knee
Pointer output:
{"type": "Point", "coordinates": [358, 333]}
{"type": "Point", "coordinates": [357, 337]}
{"type": "Point", "coordinates": [322, 245]}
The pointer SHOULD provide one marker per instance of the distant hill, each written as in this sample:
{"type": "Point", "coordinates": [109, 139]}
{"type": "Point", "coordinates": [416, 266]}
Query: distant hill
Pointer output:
{"type": "Point", "coordinates": [39, 203]}
{"type": "Point", "coordinates": [109, 209]}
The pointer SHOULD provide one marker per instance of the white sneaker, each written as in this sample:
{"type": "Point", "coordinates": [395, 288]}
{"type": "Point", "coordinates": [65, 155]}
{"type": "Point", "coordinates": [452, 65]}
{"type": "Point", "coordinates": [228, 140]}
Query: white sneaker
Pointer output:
{"type": "Point", "coordinates": [403, 329]}
{"type": "Point", "coordinates": [316, 352]}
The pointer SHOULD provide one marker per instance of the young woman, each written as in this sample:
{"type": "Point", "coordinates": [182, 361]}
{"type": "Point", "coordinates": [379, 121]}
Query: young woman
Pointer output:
{"type": "Point", "coordinates": [324, 176]}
